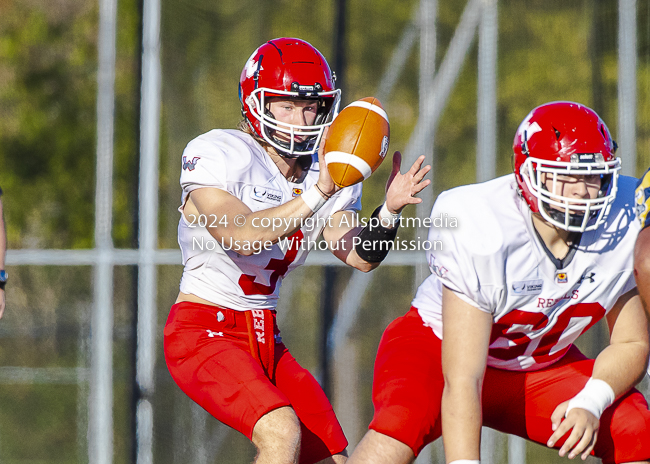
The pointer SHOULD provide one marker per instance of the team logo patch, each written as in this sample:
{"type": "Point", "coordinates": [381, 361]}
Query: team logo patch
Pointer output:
{"type": "Point", "coordinates": [296, 192]}
{"type": "Point", "coordinates": [561, 277]}
{"type": "Point", "coordinates": [527, 287]}
{"type": "Point", "coordinates": [190, 165]}
{"type": "Point", "coordinates": [266, 195]}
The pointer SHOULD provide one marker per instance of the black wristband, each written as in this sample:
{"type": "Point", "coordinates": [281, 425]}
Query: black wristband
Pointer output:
{"type": "Point", "coordinates": [375, 241]}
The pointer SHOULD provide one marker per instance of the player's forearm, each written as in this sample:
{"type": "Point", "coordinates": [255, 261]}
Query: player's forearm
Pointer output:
{"type": "Point", "coordinates": [340, 241]}
{"type": "Point", "coordinates": [226, 217]}
{"type": "Point", "coordinates": [461, 419]}
{"type": "Point", "coordinates": [270, 224]}
{"type": "Point", "coordinates": [622, 365]}
{"type": "Point", "coordinates": [354, 260]}
{"type": "Point", "coordinates": [349, 239]}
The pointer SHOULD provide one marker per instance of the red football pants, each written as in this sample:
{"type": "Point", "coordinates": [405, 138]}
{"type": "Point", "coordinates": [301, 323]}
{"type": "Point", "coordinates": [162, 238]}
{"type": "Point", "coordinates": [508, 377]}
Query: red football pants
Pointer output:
{"type": "Point", "coordinates": [408, 384]}
{"type": "Point", "coordinates": [232, 364]}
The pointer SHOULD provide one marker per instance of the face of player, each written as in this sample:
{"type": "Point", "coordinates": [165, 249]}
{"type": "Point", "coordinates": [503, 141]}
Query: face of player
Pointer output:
{"type": "Point", "coordinates": [293, 111]}
{"type": "Point", "coordinates": [578, 187]}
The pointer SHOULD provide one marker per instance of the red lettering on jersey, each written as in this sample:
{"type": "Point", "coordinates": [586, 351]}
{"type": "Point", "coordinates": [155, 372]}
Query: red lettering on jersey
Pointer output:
{"type": "Point", "coordinates": [278, 266]}
{"type": "Point", "coordinates": [550, 302]}
{"type": "Point", "coordinates": [517, 325]}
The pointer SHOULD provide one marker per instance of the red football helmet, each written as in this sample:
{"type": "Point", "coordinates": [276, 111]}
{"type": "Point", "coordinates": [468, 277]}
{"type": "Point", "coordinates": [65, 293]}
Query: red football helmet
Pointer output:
{"type": "Point", "coordinates": [293, 68]}
{"type": "Point", "coordinates": [565, 138]}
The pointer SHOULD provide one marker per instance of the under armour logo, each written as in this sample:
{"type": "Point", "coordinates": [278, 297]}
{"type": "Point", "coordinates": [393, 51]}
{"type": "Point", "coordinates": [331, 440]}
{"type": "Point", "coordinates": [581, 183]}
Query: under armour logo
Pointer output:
{"type": "Point", "coordinates": [212, 334]}
{"type": "Point", "coordinates": [589, 277]}
{"type": "Point", "coordinates": [190, 165]}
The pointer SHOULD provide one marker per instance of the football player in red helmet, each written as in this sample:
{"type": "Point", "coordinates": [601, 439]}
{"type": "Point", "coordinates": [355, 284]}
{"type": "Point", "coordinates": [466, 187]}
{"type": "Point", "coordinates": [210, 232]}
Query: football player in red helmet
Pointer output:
{"type": "Point", "coordinates": [254, 202]}
{"type": "Point", "coordinates": [538, 257]}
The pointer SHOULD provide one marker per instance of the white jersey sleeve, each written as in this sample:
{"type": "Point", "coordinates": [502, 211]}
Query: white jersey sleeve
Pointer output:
{"type": "Point", "coordinates": [471, 240]}
{"type": "Point", "coordinates": [217, 159]}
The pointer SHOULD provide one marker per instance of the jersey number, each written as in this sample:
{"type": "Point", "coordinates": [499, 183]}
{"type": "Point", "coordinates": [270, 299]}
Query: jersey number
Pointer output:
{"type": "Point", "coordinates": [515, 325]}
{"type": "Point", "coordinates": [278, 266]}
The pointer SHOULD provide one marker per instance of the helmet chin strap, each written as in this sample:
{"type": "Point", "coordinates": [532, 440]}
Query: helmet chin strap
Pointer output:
{"type": "Point", "coordinates": [575, 220]}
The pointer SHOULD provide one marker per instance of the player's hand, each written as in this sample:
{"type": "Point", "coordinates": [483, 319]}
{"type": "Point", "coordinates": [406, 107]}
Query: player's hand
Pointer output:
{"type": "Point", "coordinates": [584, 431]}
{"type": "Point", "coordinates": [325, 182]}
{"type": "Point", "coordinates": [402, 188]}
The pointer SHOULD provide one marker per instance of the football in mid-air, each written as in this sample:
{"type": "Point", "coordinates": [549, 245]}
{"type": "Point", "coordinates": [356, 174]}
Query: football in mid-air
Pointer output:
{"type": "Point", "coordinates": [357, 142]}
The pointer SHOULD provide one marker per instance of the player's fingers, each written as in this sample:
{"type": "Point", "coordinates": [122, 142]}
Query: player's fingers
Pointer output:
{"type": "Point", "coordinates": [421, 173]}
{"type": "Point", "coordinates": [559, 432]}
{"type": "Point", "coordinates": [583, 444]}
{"type": "Point", "coordinates": [558, 415]}
{"type": "Point", "coordinates": [575, 436]}
{"type": "Point", "coordinates": [323, 141]}
{"type": "Point", "coordinates": [416, 165]}
{"type": "Point", "coordinates": [321, 149]}
{"type": "Point", "coordinates": [420, 186]}
{"type": "Point", "coordinates": [326, 131]}
{"type": "Point", "coordinates": [590, 448]}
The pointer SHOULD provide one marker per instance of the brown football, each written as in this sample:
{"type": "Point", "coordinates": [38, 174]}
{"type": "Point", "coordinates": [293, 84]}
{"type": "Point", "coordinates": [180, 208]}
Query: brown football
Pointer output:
{"type": "Point", "coordinates": [357, 142]}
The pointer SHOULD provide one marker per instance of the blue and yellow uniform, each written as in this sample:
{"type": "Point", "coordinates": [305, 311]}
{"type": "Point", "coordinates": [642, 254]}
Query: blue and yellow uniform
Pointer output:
{"type": "Point", "coordinates": [642, 200]}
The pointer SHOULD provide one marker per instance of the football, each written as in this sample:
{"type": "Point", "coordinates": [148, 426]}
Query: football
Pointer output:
{"type": "Point", "coordinates": [357, 141]}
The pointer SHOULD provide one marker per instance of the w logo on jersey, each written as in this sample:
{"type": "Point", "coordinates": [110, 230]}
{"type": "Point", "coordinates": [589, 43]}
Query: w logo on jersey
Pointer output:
{"type": "Point", "coordinates": [190, 165]}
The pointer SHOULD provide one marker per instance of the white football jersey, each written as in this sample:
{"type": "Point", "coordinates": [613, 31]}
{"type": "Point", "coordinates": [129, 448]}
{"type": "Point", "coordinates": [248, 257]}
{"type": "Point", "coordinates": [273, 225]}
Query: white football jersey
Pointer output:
{"type": "Point", "coordinates": [494, 261]}
{"type": "Point", "coordinates": [233, 161]}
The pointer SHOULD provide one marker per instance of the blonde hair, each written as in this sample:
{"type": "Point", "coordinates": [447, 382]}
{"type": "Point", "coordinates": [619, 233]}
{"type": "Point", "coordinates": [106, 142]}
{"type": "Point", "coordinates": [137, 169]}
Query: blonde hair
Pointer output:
{"type": "Point", "coordinates": [245, 127]}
